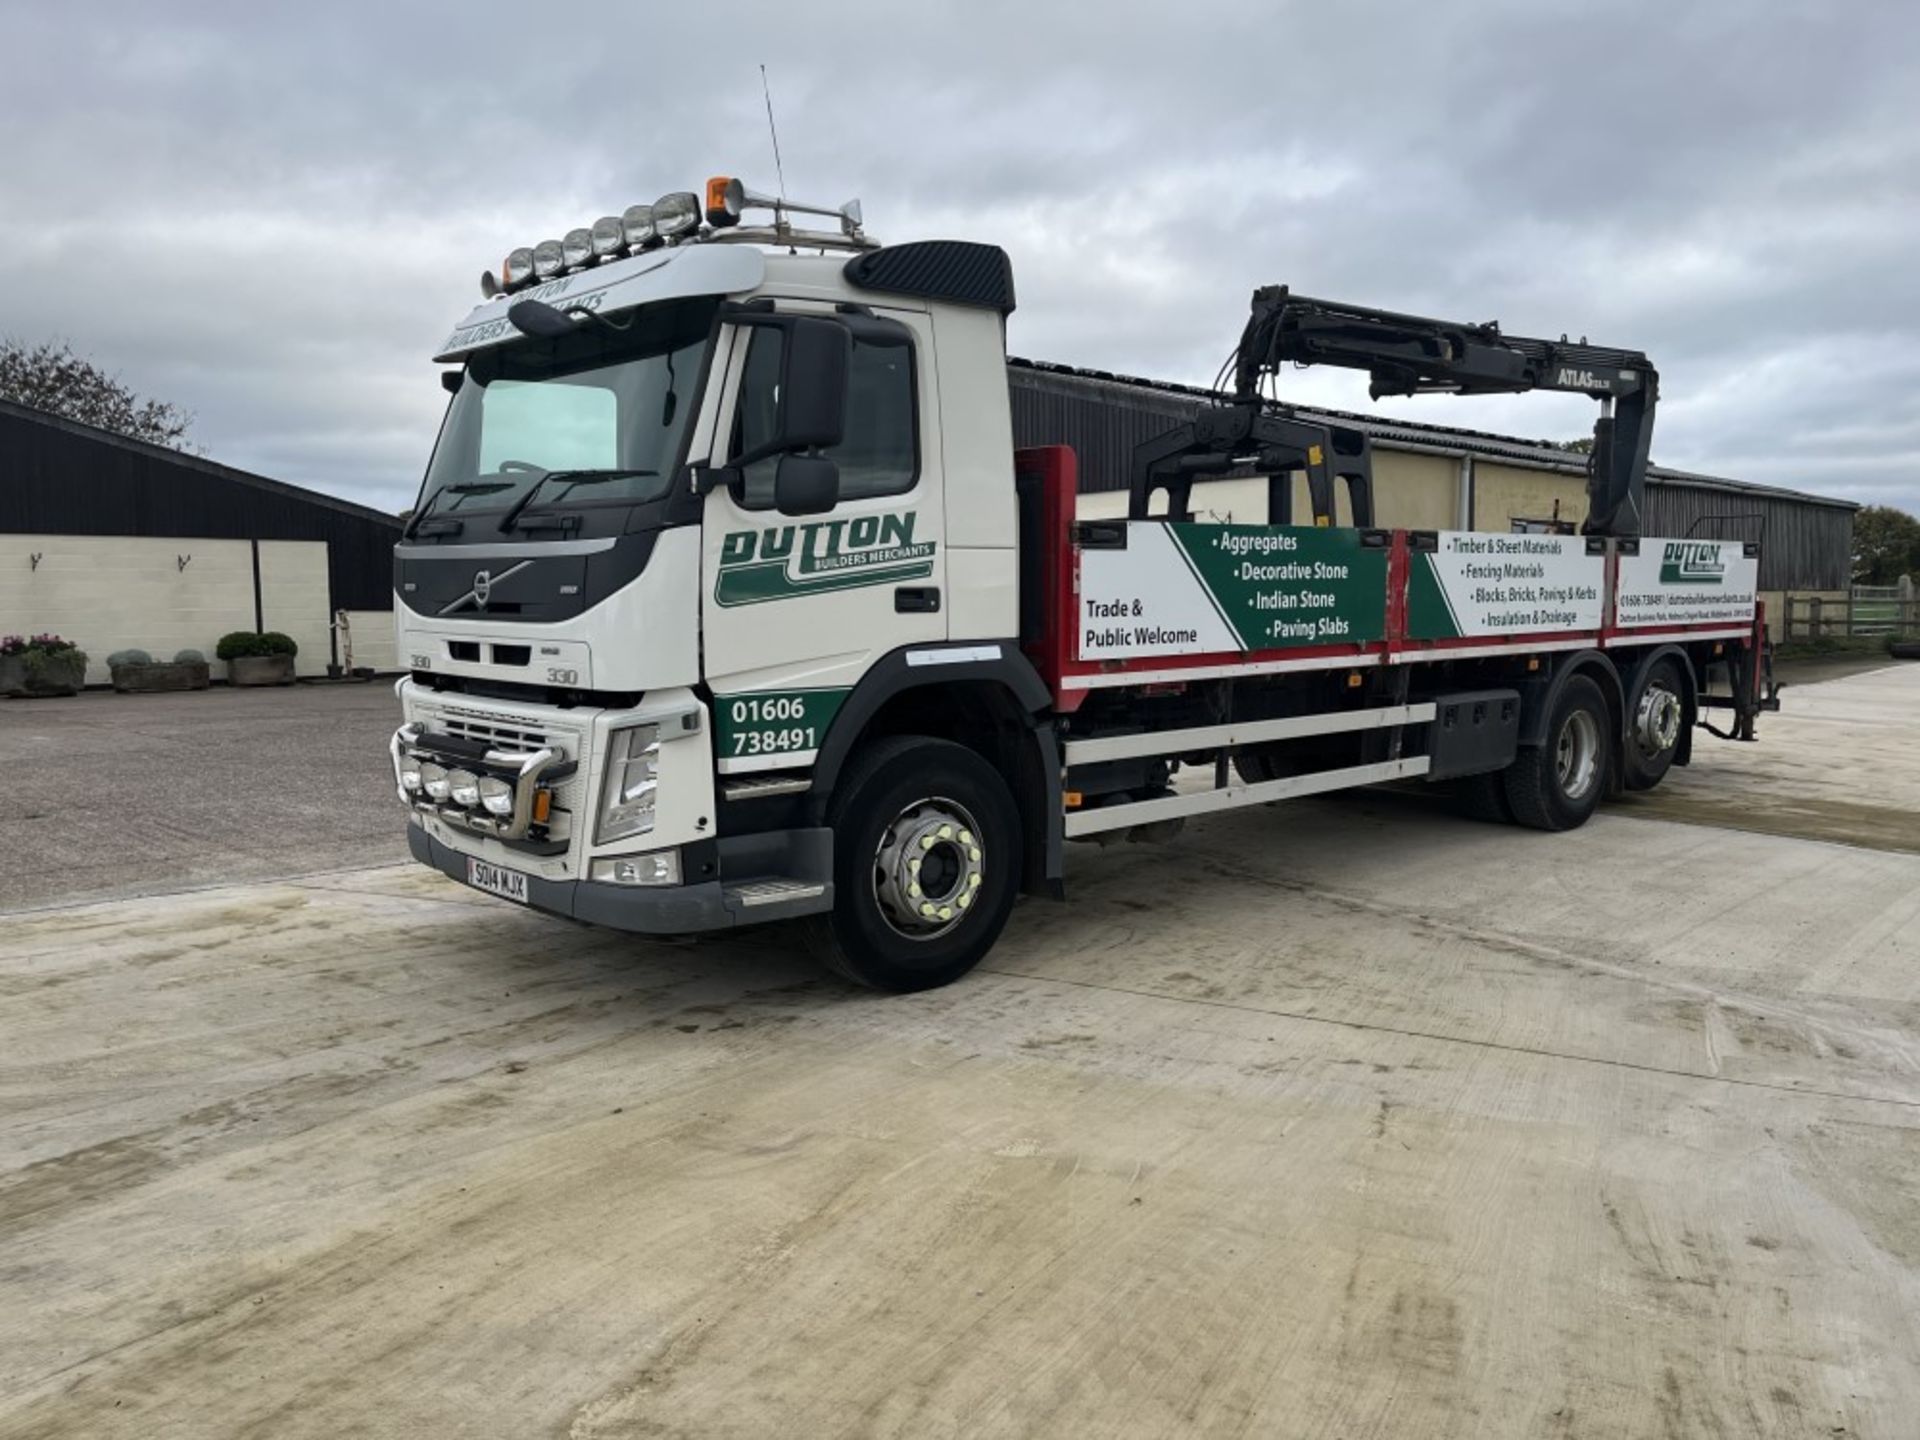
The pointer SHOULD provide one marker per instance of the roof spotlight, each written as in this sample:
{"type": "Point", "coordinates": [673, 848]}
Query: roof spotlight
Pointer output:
{"type": "Point", "coordinates": [636, 223]}
{"type": "Point", "coordinates": [517, 268]}
{"type": "Point", "coordinates": [548, 260]}
{"type": "Point", "coordinates": [607, 236]}
{"type": "Point", "coordinates": [576, 248]}
{"type": "Point", "coordinates": [676, 214]}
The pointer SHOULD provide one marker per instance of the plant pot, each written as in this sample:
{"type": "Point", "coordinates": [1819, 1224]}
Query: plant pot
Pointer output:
{"type": "Point", "coordinates": [260, 670]}
{"type": "Point", "coordinates": [42, 675]}
{"type": "Point", "coordinates": [166, 675]}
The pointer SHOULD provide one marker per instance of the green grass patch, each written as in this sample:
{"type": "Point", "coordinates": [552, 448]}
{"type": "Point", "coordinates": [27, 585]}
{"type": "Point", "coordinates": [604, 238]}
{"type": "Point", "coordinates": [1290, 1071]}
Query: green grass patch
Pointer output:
{"type": "Point", "coordinates": [1824, 645]}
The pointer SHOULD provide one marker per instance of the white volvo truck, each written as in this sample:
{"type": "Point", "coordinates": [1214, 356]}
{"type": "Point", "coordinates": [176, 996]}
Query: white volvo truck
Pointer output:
{"type": "Point", "coordinates": [727, 598]}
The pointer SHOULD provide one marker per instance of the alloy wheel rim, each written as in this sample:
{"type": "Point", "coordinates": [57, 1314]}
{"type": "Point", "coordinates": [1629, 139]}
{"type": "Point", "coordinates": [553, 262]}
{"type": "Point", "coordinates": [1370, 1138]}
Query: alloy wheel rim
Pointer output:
{"type": "Point", "coordinates": [1577, 754]}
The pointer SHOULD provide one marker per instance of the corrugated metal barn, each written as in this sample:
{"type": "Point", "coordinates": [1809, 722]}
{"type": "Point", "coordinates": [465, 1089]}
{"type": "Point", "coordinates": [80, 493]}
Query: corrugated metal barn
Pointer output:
{"type": "Point", "coordinates": [1433, 477]}
{"type": "Point", "coordinates": [117, 543]}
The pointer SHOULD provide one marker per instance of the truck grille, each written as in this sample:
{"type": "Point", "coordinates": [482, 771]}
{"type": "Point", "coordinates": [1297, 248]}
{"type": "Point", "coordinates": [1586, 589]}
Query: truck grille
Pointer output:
{"type": "Point", "coordinates": [495, 730]}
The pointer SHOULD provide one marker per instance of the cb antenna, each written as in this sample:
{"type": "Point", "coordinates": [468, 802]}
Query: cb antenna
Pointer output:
{"type": "Point", "coordinates": [773, 130]}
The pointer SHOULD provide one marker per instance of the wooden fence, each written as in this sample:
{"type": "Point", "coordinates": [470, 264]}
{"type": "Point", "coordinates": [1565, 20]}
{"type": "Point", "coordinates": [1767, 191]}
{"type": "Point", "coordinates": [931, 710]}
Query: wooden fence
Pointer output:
{"type": "Point", "coordinates": [1869, 610]}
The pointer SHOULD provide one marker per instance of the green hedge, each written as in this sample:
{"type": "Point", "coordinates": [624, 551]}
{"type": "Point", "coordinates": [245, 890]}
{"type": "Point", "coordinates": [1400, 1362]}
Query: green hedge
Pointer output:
{"type": "Point", "coordinates": [240, 644]}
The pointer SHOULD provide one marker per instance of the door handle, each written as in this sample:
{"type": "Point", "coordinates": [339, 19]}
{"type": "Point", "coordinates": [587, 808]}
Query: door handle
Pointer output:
{"type": "Point", "coordinates": [916, 599]}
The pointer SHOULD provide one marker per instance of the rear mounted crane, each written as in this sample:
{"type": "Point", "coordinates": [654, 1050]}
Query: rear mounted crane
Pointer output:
{"type": "Point", "coordinates": [1403, 355]}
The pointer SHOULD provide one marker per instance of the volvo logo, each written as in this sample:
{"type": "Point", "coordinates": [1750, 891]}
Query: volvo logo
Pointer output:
{"type": "Point", "coordinates": [482, 591]}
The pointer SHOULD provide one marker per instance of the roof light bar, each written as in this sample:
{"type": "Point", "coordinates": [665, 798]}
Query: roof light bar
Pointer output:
{"type": "Point", "coordinates": [672, 219]}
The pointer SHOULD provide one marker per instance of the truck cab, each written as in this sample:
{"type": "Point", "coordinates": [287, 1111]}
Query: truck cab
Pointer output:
{"type": "Point", "coordinates": [723, 512]}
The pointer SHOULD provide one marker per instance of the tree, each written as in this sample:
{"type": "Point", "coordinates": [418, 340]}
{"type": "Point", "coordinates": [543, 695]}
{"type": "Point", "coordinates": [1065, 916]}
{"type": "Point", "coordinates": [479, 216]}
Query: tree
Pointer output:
{"type": "Point", "coordinates": [50, 377]}
{"type": "Point", "coordinates": [1886, 545]}
{"type": "Point", "coordinates": [1582, 446]}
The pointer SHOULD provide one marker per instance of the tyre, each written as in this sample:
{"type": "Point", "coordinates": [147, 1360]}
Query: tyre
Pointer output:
{"type": "Point", "coordinates": [1484, 797]}
{"type": "Point", "coordinates": [1655, 717]}
{"type": "Point", "coordinates": [926, 863]}
{"type": "Point", "coordinates": [1558, 784]}
{"type": "Point", "coordinates": [1257, 764]}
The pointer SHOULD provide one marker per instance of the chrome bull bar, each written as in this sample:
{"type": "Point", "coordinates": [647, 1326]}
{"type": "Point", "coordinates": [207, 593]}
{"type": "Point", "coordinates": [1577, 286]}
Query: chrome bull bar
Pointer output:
{"type": "Point", "coordinates": [524, 769]}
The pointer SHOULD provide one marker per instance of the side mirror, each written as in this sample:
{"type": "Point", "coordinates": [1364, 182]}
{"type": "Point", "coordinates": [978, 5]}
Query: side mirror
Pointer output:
{"type": "Point", "coordinates": [450, 381]}
{"type": "Point", "coordinates": [815, 355]}
{"type": "Point", "coordinates": [805, 485]}
{"type": "Point", "coordinates": [813, 384]}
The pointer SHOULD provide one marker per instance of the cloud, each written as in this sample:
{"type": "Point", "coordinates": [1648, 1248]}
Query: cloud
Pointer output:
{"type": "Point", "coordinates": [272, 214]}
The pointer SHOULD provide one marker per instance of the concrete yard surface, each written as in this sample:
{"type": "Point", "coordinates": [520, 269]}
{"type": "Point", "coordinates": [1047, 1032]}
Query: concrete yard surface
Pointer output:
{"type": "Point", "coordinates": [112, 794]}
{"type": "Point", "coordinates": [1331, 1119]}
{"type": "Point", "coordinates": [1837, 764]}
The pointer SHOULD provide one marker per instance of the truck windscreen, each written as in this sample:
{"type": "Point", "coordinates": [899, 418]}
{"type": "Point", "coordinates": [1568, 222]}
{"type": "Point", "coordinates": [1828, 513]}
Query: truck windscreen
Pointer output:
{"type": "Point", "coordinates": [611, 404]}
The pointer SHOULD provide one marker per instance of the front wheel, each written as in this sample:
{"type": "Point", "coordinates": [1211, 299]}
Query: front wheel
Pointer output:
{"type": "Point", "coordinates": [1558, 785]}
{"type": "Point", "coordinates": [926, 861]}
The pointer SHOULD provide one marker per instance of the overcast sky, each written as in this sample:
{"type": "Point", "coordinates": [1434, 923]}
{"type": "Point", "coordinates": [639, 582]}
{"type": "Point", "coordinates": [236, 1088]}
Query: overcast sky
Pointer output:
{"type": "Point", "coordinates": [272, 213]}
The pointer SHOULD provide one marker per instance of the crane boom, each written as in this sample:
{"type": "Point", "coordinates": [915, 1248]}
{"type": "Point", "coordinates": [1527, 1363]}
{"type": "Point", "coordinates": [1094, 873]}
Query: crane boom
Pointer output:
{"type": "Point", "coordinates": [1414, 355]}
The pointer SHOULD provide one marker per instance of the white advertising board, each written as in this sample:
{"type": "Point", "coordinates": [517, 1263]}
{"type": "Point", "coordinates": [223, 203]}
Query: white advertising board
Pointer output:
{"type": "Point", "coordinates": [1686, 582]}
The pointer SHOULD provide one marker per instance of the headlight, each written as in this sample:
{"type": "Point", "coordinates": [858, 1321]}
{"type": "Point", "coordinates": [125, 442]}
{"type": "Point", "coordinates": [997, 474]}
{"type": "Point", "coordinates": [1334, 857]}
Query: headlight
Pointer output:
{"type": "Point", "coordinates": [410, 773]}
{"type": "Point", "coordinates": [464, 787]}
{"type": "Point", "coordinates": [576, 248]}
{"type": "Point", "coordinates": [433, 779]}
{"type": "Point", "coordinates": [496, 795]}
{"type": "Point", "coordinates": [626, 802]}
{"type": "Point", "coordinates": [658, 867]}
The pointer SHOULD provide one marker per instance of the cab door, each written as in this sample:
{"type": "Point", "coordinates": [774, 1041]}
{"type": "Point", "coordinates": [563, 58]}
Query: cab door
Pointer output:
{"type": "Point", "coordinates": [797, 608]}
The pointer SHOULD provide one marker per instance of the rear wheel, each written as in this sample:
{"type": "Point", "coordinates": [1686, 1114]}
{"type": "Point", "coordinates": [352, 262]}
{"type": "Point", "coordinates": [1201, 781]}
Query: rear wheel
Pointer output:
{"type": "Point", "coordinates": [1655, 717]}
{"type": "Point", "coordinates": [1557, 785]}
{"type": "Point", "coordinates": [1484, 797]}
{"type": "Point", "coordinates": [926, 861]}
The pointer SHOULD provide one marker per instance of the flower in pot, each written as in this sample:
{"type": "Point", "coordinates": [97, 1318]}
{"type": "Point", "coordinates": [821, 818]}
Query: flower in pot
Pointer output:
{"type": "Point", "coordinates": [41, 665]}
{"type": "Point", "coordinates": [136, 672]}
{"type": "Point", "coordinates": [258, 657]}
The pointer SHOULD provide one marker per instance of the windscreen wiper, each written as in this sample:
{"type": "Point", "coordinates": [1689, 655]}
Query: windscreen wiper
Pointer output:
{"type": "Point", "coordinates": [464, 487]}
{"type": "Point", "coordinates": [572, 478]}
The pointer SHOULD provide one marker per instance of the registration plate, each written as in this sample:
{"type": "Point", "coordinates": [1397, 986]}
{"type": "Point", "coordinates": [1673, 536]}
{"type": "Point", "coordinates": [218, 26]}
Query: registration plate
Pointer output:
{"type": "Point", "coordinates": [507, 884]}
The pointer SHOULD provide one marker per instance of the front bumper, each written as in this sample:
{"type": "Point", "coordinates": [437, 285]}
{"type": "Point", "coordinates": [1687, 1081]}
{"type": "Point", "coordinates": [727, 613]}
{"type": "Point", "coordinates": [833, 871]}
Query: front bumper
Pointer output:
{"type": "Point", "coordinates": [777, 875]}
